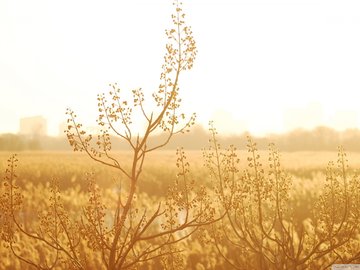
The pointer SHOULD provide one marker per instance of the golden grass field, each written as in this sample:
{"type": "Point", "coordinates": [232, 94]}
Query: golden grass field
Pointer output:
{"type": "Point", "coordinates": [37, 169]}
{"type": "Point", "coordinates": [69, 167]}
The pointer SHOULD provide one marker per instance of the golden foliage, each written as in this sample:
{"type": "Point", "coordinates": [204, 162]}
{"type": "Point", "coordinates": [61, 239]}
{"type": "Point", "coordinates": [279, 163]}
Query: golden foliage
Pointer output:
{"type": "Point", "coordinates": [260, 222]}
{"type": "Point", "coordinates": [244, 218]}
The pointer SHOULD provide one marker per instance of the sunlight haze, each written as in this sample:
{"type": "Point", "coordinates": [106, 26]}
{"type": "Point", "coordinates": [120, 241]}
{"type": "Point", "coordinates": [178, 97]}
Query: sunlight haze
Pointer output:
{"type": "Point", "coordinates": [262, 66]}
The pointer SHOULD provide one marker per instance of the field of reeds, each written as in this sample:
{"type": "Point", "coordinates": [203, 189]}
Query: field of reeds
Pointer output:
{"type": "Point", "coordinates": [219, 208]}
{"type": "Point", "coordinates": [211, 246]}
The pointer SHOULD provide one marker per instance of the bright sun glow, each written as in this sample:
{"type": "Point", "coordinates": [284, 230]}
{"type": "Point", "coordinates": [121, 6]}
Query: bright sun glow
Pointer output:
{"type": "Point", "coordinates": [263, 66]}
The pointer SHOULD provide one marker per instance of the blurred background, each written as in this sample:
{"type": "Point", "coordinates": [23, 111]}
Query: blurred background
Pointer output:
{"type": "Point", "coordinates": [288, 68]}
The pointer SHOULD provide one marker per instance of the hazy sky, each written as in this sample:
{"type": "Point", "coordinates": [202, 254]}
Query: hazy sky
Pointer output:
{"type": "Point", "coordinates": [263, 66]}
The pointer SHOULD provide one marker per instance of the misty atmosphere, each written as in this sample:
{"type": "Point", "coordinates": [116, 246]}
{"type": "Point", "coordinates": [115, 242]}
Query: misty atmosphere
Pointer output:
{"type": "Point", "coordinates": [318, 139]}
{"type": "Point", "coordinates": [231, 140]}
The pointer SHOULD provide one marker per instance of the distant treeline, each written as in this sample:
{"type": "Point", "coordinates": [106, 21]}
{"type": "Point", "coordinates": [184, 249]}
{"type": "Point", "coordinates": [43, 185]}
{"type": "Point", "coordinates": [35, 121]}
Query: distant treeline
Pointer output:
{"type": "Point", "coordinates": [318, 139]}
{"type": "Point", "coordinates": [14, 142]}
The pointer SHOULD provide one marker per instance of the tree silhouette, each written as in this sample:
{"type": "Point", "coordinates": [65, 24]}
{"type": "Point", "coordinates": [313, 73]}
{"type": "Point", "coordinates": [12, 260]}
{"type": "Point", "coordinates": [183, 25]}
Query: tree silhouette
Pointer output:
{"type": "Point", "coordinates": [136, 233]}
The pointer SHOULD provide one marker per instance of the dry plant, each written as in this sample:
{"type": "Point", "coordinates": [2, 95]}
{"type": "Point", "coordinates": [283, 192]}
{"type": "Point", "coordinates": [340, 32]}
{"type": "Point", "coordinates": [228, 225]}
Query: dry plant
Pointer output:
{"type": "Point", "coordinates": [53, 241]}
{"type": "Point", "coordinates": [127, 234]}
{"type": "Point", "coordinates": [260, 229]}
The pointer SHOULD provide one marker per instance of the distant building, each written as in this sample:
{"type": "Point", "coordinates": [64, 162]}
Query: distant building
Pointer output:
{"type": "Point", "coordinates": [33, 126]}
